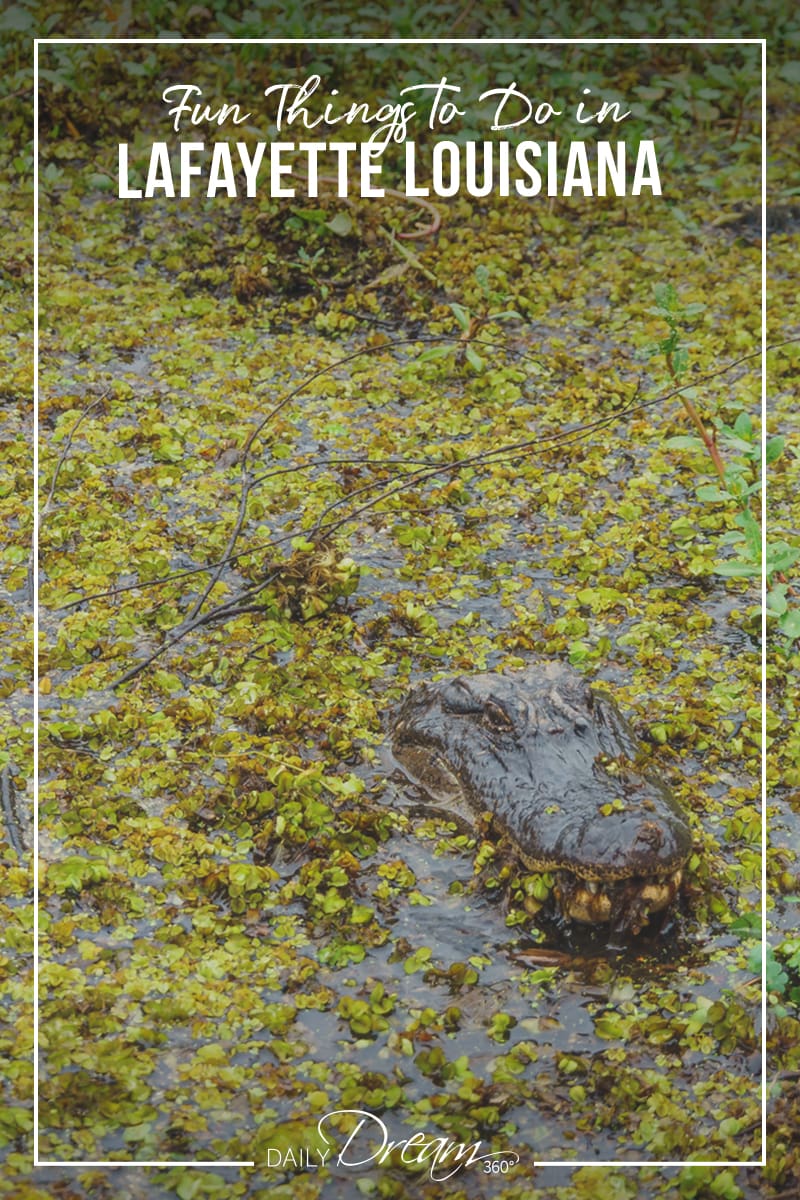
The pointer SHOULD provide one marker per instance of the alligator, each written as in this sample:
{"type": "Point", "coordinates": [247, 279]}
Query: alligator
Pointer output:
{"type": "Point", "coordinates": [559, 770]}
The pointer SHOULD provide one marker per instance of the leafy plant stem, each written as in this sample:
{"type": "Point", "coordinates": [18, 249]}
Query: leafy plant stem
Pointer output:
{"type": "Point", "coordinates": [694, 416]}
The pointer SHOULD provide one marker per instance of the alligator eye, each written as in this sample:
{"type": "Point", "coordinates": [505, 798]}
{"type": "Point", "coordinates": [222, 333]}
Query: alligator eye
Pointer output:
{"type": "Point", "coordinates": [496, 716]}
{"type": "Point", "coordinates": [458, 699]}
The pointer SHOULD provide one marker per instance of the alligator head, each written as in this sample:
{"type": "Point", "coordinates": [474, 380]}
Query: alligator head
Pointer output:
{"type": "Point", "coordinates": [556, 766]}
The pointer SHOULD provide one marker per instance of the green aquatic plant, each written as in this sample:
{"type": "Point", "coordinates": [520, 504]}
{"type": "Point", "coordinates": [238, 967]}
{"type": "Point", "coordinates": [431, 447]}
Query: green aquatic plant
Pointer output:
{"type": "Point", "coordinates": [742, 481]}
{"type": "Point", "coordinates": [676, 355]}
{"type": "Point", "coordinates": [736, 453]}
{"type": "Point", "coordinates": [471, 323]}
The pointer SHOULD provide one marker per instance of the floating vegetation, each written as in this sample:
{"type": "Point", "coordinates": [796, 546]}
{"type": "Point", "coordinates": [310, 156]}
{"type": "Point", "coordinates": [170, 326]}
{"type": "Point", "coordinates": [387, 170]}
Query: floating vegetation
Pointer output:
{"type": "Point", "coordinates": [293, 462]}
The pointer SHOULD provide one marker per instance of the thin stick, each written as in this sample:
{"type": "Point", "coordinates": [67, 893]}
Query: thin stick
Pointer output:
{"type": "Point", "coordinates": [245, 486]}
{"type": "Point", "coordinates": [64, 453]}
{"type": "Point", "coordinates": [188, 627]}
{"type": "Point", "coordinates": [486, 458]}
{"type": "Point", "coordinates": [485, 455]}
{"type": "Point", "coordinates": [498, 451]}
{"type": "Point", "coordinates": [9, 816]}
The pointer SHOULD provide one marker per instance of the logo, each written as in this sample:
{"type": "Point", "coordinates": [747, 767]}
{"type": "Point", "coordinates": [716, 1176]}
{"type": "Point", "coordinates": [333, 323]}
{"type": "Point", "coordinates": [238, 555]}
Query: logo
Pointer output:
{"type": "Point", "coordinates": [369, 1144]}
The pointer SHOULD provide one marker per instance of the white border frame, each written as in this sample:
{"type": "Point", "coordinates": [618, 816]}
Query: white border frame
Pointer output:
{"type": "Point", "coordinates": [575, 1164]}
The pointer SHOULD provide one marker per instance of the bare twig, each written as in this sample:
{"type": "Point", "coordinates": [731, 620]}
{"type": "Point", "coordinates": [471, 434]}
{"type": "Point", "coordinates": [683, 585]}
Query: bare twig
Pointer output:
{"type": "Point", "coordinates": [9, 815]}
{"type": "Point", "coordinates": [245, 485]}
{"type": "Point", "coordinates": [325, 529]}
{"type": "Point", "coordinates": [219, 613]}
{"type": "Point", "coordinates": [462, 16]}
{"type": "Point", "coordinates": [486, 457]}
{"type": "Point", "coordinates": [424, 470]}
{"type": "Point", "coordinates": [65, 452]}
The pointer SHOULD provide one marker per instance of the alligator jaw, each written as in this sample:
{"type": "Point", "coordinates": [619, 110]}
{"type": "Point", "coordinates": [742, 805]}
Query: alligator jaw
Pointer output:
{"type": "Point", "coordinates": [627, 903]}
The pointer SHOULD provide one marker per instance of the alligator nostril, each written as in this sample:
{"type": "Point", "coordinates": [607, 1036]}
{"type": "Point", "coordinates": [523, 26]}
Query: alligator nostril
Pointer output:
{"type": "Point", "coordinates": [651, 835]}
